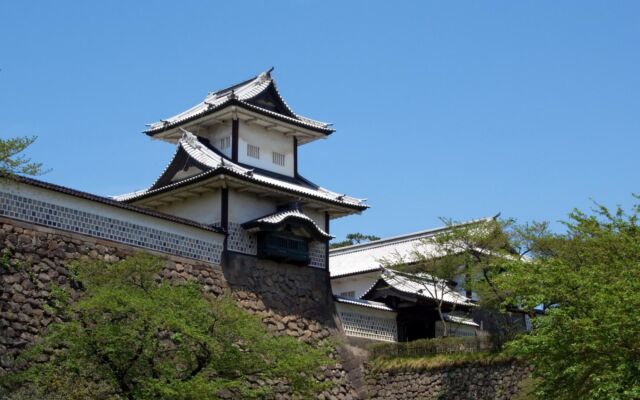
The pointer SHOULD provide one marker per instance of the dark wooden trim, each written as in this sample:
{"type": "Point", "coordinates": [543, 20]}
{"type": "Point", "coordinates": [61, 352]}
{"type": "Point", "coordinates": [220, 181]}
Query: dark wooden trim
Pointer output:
{"type": "Point", "coordinates": [244, 177]}
{"type": "Point", "coordinates": [235, 141]}
{"type": "Point", "coordinates": [295, 156]}
{"type": "Point", "coordinates": [246, 106]}
{"type": "Point", "coordinates": [327, 218]}
{"type": "Point", "coordinates": [224, 213]}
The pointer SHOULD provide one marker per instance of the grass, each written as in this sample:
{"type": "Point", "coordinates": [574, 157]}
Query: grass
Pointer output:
{"type": "Point", "coordinates": [438, 361]}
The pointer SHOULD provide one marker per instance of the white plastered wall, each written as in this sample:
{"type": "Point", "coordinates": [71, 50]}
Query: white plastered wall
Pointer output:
{"type": "Point", "coordinates": [359, 284]}
{"type": "Point", "coordinates": [269, 142]}
{"type": "Point", "coordinates": [317, 217]}
{"type": "Point", "coordinates": [215, 134]}
{"type": "Point", "coordinates": [245, 207]}
{"type": "Point", "coordinates": [205, 208]}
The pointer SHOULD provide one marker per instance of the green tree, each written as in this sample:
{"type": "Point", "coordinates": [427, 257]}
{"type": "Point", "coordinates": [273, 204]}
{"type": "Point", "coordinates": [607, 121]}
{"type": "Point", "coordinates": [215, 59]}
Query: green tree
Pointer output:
{"type": "Point", "coordinates": [12, 162]}
{"type": "Point", "coordinates": [131, 336]}
{"type": "Point", "coordinates": [354, 238]}
{"type": "Point", "coordinates": [471, 255]}
{"type": "Point", "coordinates": [585, 345]}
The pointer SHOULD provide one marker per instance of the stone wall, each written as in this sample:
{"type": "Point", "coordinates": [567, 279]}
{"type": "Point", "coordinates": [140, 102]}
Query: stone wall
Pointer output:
{"type": "Point", "coordinates": [470, 381]}
{"type": "Point", "coordinates": [291, 300]}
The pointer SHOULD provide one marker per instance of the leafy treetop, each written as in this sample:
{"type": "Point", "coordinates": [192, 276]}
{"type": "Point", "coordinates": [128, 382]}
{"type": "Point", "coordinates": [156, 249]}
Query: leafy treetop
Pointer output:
{"type": "Point", "coordinates": [131, 336]}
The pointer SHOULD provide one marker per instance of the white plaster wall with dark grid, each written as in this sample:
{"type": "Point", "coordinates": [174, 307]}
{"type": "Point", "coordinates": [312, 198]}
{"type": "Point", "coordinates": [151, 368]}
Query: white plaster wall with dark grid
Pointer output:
{"type": "Point", "coordinates": [368, 323]}
{"type": "Point", "coordinates": [69, 213]}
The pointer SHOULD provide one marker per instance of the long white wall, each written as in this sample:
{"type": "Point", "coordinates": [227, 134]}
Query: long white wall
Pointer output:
{"type": "Point", "coordinates": [62, 211]}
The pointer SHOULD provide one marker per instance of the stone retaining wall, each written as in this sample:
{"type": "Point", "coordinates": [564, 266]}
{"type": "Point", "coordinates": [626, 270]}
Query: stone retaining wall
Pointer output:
{"type": "Point", "coordinates": [471, 381]}
{"type": "Point", "coordinates": [291, 300]}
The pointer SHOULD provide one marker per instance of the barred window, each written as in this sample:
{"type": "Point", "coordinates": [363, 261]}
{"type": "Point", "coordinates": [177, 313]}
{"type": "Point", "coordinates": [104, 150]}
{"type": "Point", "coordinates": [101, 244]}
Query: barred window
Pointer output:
{"type": "Point", "coordinates": [278, 158]}
{"type": "Point", "coordinates": [351, 294]}
{"type": "Point", "coordinates": [225, 142]}
{"type": "Point", "coordinates": [253, 151]}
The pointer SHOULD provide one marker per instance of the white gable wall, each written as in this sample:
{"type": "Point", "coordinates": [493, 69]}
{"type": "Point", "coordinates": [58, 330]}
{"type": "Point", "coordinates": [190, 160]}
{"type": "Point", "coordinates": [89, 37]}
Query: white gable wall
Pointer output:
{"type": "Point", "coordinates": [245, 207]}
{"type": "Point", "coordinates": [359, 284]}
{"type": "Point", "coordinates": [216, 134]}
{"type": "Point", "coordinates": [317, 217]}
{"type": "Point", "coordinates": [268, 142]}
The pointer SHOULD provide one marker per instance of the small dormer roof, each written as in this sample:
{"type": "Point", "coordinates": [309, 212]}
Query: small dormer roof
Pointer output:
{"type": "Point", "coordinates": [280, 218]}
{"type": "Point", "coordinates": [258, 94]}
{"type": "Point", "coordinates": [420, 286]}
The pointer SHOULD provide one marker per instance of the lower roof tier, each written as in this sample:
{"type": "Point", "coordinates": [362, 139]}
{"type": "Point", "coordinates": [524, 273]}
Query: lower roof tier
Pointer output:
{"type": "Point", "coordinates": [208, 169]}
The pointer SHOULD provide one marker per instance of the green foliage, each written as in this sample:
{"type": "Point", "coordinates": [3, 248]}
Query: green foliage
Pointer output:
{"type": "Point", "coordinates": [354, 238]}
{"type": "Point", "coordinates": [5, 259]}
{"type": "Point", "coordinates": [131, 336]}
{"type": "Point", "coordinates": [585, 345]}
{"type": "Point", "coordinates": [426, 347]}
{"type": "Point", "coordinates": [473, 255]}
{"type": "Point", "coordinates": [12, 162]}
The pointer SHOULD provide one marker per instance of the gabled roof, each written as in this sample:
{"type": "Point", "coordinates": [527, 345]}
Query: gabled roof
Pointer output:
{"type": "Point", "coordinates": [281, 217]}
{"type": "Point", "coordinates": [371, 256]}
{"type": "Point", "coordinates": [259, 94]}
{"type": "Point", "coordinates": [421, 286]}
{"type": "Point", "coordinates": [214, 163]}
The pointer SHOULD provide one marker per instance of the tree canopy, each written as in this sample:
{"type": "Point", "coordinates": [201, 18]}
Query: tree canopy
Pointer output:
{"type": "Point", "coordinates": [586, 285]}
{"type": "Point", "coordinates": [582, 287]}
{"type": "Point", "coordinates": [12, 162]}
{"type": "Point", "coordinates": [130, 336]}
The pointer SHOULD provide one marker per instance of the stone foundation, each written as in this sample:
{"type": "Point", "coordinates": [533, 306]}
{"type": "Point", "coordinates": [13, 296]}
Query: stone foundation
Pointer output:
{"type": "Point", "coordinates": [467, 382]}
{"type": "Point", "coordinates": [291, 300]}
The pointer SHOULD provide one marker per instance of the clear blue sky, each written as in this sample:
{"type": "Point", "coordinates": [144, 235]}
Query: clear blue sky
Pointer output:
{"type": "Point", "coordinates": [442, 109]}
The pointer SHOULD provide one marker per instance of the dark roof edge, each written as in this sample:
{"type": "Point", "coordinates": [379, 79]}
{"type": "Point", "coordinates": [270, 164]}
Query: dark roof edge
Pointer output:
{"type": "Point", "coordinates": [110, 202]}
{"type": "Point", "coordinates": [317, 231]}
{"type": "Point", "coordinates": [247, 106]}
{"type": "Point", "coordinates": [237, 175]}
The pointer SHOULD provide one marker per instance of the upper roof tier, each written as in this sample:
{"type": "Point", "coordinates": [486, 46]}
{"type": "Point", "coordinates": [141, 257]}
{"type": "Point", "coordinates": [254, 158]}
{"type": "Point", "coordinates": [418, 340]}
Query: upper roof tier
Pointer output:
{"type": "Point", "coordinates": [257, 97]}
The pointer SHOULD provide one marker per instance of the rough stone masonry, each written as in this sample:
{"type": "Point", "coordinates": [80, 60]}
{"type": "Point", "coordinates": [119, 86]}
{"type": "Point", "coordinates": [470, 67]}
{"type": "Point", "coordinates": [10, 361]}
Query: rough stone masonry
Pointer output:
{"type": "Point", "coordinates": [34, 259]}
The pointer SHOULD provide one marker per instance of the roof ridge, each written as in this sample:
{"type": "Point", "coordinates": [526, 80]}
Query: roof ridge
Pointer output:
{"type": "Point", "coordinates": [401, 238]}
